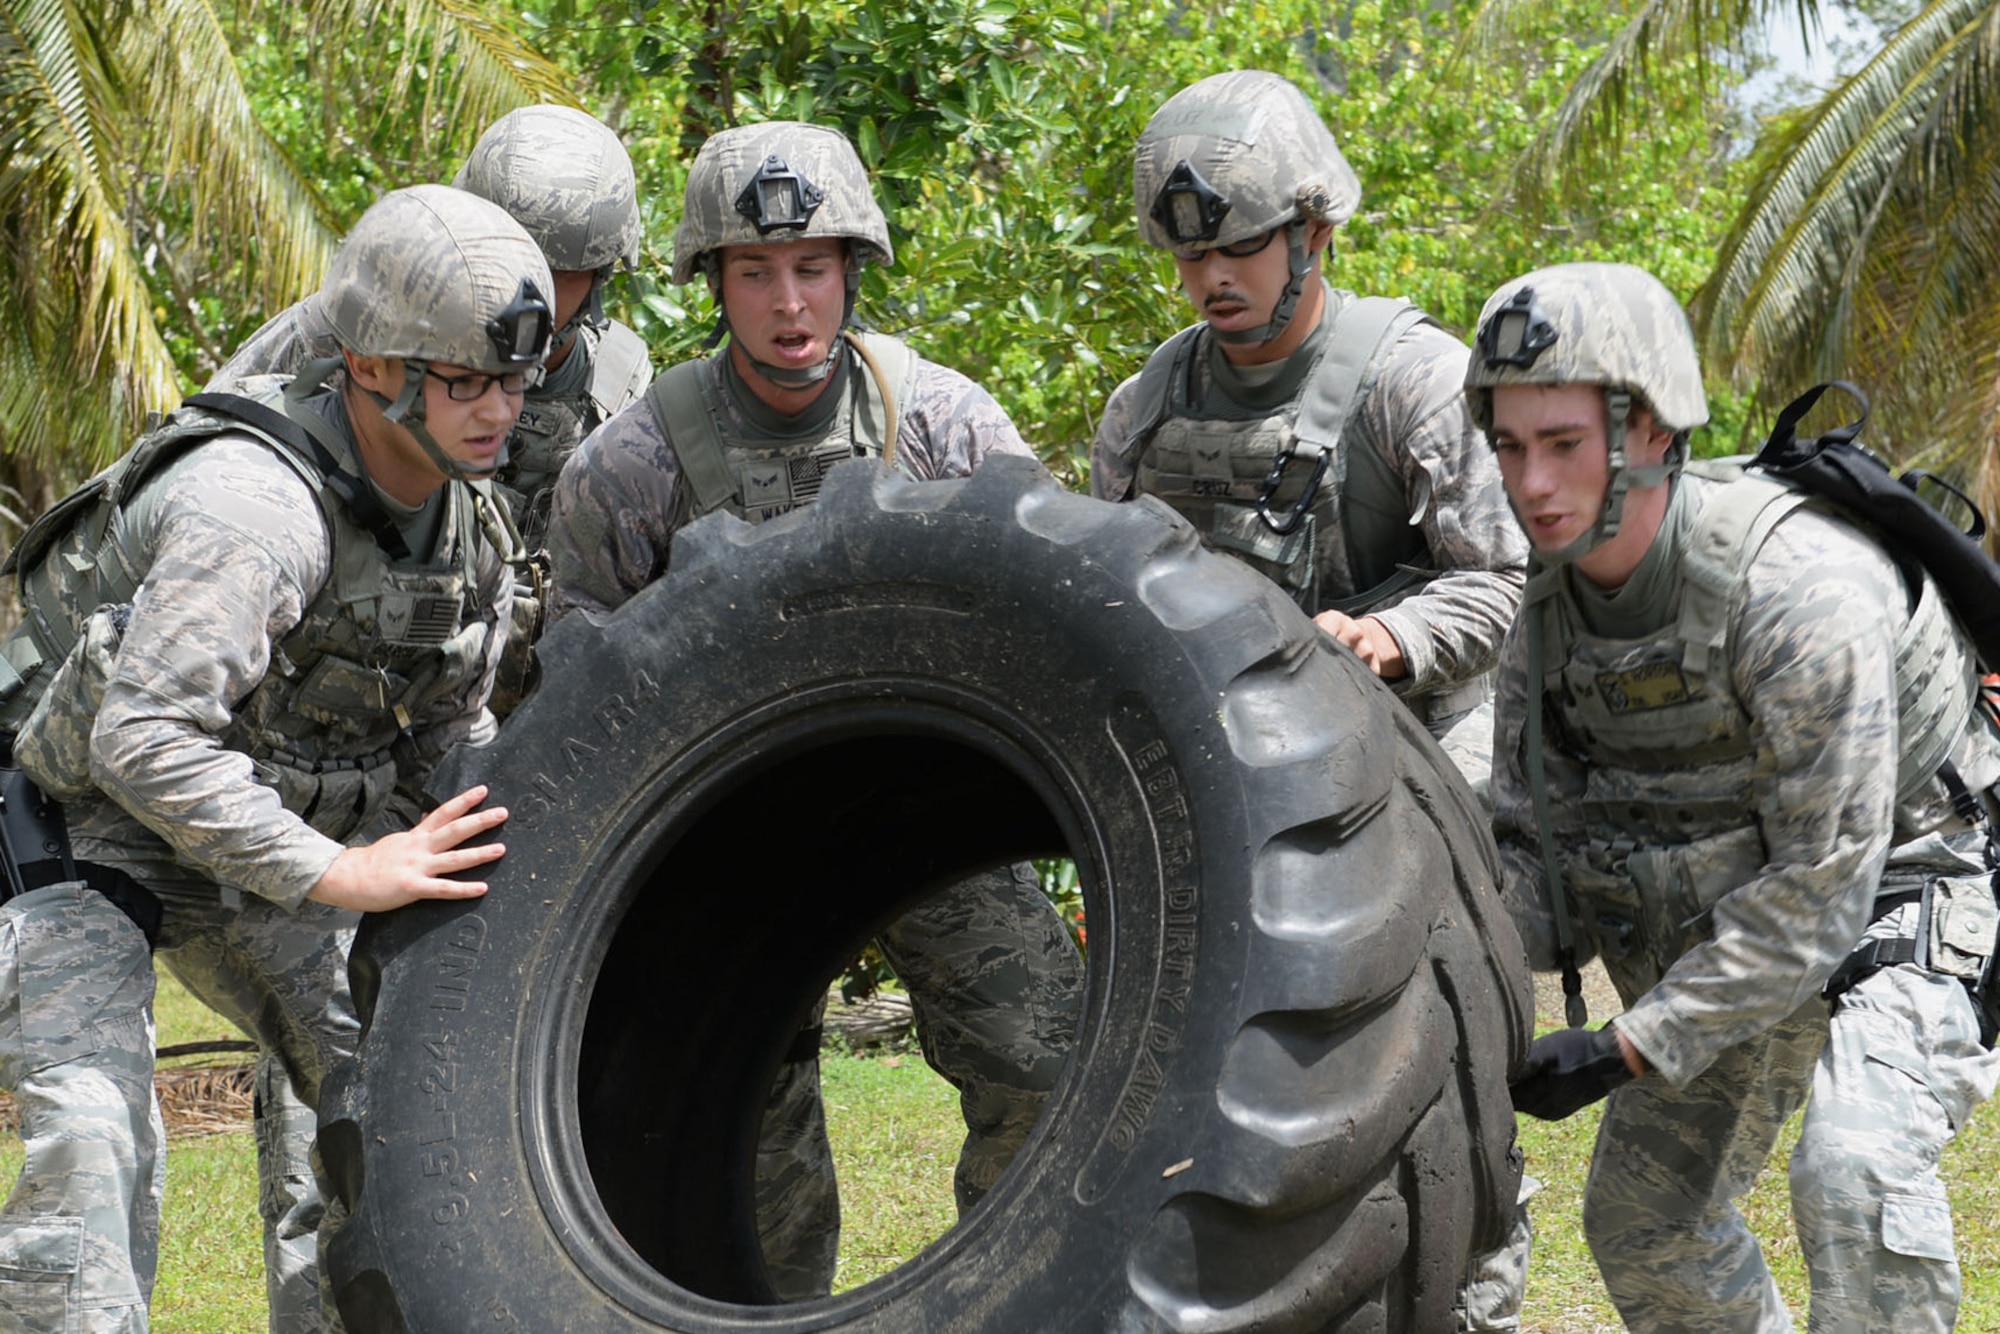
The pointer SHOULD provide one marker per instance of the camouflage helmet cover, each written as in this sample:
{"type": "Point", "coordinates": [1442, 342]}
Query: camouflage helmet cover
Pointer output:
{"type": "Point", "coordinates": [1252, 143]}
{"type": "Point", "coordinates": [825, 192]}
{"type": "Point", "coordinates": [434, 274]}
{"type": "Point", "coordinates": [1604, 324]}
{"type": "Point", "coordinates": [565, 177]}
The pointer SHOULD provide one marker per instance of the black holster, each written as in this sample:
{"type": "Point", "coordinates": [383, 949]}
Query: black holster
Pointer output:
{"type": "Point", "coordinates": [35, 851]}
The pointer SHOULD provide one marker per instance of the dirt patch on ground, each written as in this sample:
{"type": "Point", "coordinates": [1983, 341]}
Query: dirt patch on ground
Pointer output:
{"type": "Point", "coordinates": [207, 1098]}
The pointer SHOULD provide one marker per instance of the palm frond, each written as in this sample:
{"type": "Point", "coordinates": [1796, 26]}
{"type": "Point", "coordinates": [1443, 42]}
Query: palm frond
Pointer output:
{"type": "Point", "coordinates": [1865, 248]}
{"type": "Point", "coordinates": [245, 192]}
{"type": "Point", "coordinates": [473, 69]}
{"type": "Point", "coordinates": [79, 296]}
{"type": "Point", "coordinates": [1778, 278]}
{"type": "Point", "coordinates": [1593, 118]}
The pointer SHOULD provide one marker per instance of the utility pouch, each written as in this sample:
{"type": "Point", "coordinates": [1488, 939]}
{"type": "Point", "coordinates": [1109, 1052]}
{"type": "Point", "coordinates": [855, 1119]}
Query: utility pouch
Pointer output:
{"type": "Point", "coordinates": [1680, 884]}
{"type": "Point", "coordinates": [1606, 908]}
{"type": "Point", "coordinates": [1964, 921]}
{"type": "Point", "coordinates": [56, 735]}
{"type": "Point", "coordinates": [1964, 938]}
{"type": "Point", "coordinates": [1286, 559]}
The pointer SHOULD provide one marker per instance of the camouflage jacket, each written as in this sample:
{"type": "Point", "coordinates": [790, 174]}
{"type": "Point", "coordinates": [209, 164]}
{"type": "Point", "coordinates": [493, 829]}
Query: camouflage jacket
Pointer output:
{"type": "Point", "coordinates": [621, 498]}
{"type": "Point", "coordinates": [1738, 917]}
{"type": "Point", "coordinates": [1415, 420]}
{"type": "Point", "coordinates": [233, 552]}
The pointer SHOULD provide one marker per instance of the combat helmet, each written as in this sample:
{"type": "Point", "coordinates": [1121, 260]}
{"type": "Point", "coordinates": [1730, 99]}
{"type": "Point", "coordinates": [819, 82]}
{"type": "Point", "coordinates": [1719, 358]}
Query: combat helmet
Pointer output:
{"type": "Point", "coordinates": [1610, 325]}
{"type": "Point", "coordinates": [434, 274]}
{"type": "Point", "coordinates": [1229, 159]}
{"type": "Point", "coordinates": [566, 178]}
{"type": "Point", "coordinates": [780, 181]}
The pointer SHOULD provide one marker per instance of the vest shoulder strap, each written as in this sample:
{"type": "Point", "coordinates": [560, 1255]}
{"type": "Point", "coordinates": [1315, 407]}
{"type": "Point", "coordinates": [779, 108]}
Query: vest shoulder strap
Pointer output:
{"type": "Point", "coordinates": [1357, 348]}
{"type": "Point", "coordinates": [1375, 519]}
{"type": "Point", "coordinates": [681, 411]}
{"type": "Point", "coordinates": [1716, 567]}
{"type": "Point", "coordinates": [1152, 391]}
{"type": "Point", "coordinates": [297, 440]}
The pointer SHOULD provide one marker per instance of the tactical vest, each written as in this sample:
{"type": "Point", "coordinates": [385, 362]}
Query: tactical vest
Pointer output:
{"type": "Point", "coordinates": [1357, 547]}
{"type": "Point", "coordinates": [385, 635]}
{"type": "Point", "coordinates": [1663, 706]}
{"type": "Point", "coordinates": [757, 478]}
{"type": "Point", "coordinates": [556, 416]}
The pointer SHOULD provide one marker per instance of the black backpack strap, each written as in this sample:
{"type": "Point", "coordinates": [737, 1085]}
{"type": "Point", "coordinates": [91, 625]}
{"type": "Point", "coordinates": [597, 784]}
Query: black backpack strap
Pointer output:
{"type": "Point", "coordinates": [1839, 468]}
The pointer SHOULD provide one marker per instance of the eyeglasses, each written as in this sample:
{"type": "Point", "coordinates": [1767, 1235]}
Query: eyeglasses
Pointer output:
{"type": "Point", "coordinates": [1248, 246]}
{"type": "Point", "coordinates": [471, 388]}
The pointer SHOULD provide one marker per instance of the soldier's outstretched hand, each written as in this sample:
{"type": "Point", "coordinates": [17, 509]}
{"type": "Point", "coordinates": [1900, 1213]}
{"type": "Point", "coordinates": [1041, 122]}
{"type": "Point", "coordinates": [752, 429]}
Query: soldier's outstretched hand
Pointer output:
{"type": "Point", "coordinates": [1371, 641]}
{"type": "Point", "coordinates": [402, 868]}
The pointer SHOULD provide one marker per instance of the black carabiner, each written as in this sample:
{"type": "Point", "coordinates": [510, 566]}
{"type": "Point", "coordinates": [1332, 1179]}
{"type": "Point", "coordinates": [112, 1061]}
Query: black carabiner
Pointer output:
{"type": "Point", "coordinates": [1276, 477]}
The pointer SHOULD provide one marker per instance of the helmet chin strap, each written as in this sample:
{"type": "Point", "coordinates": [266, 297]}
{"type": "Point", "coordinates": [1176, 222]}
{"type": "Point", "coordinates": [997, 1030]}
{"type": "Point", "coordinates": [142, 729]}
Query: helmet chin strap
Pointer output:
{"type": "Point", "coordinates": [1623, 477]}
{"type": "Point", "coordinates": [589, 315]}
{"type": "Point", "coordinates": [407, 411]}
{"type": "Point", "coordinates": [1299, 264]}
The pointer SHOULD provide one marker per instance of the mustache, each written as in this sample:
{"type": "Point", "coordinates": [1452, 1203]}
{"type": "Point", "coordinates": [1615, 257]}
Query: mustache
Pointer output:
{"type": "Point", "coordinates": [1229, 298]}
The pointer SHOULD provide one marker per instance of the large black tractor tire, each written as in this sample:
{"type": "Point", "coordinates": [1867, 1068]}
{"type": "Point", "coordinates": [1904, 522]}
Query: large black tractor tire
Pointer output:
{"type": "Point", "coordinates": [1287, 1109]}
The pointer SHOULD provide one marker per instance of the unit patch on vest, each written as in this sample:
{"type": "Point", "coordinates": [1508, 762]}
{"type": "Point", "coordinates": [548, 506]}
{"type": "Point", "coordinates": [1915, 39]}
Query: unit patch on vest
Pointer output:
{"type": "Point", "coordinates": [1651, 685]}
{"type": "Point", "coordinates": [766, 485]}
{"type": "Point", "coordinates": [1212, 460]}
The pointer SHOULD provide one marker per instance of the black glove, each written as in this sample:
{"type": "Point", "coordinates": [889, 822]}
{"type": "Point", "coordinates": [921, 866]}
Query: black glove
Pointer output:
{"type": "Point", "coordinates": [1568, 1070]}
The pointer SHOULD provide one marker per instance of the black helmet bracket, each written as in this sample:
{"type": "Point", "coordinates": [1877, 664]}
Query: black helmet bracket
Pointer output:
{"type": "Point", "coordinates": [1517, 333]}
{"type": "Point", "coordinates": [778, 198]}
{"type": "Point", "coordinates": [1187, 207]}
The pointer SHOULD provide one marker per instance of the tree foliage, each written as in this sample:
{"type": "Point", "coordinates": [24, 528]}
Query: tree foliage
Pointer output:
{"type": "Point", "coordinates": [999, 134]}
{"type": "Point", "coordinates": [150, 191]}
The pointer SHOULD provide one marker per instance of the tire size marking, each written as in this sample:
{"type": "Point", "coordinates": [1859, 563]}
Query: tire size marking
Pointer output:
{"type": "Point", "coordinates": [614, 713]}
{"type": "Point", "coordinates": [1138, 735]}
{"type": "Point", "coordinates": [451, 988]}
{"type": "Point", "coordinates": [448, 1176]}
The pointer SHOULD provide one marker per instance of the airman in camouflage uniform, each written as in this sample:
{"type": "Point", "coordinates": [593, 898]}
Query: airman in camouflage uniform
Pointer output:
{"type": "Point", "coordinates": [1396, 541]}
{"type": "Point", "coordinates": [1723, 712]}
{"type": "Point", "coordinates": [244, 647]}
{"type": "Point", "coordinates": [779, 220]}
{"type": "Point", "coordinates": [1319, 436]}
{"type": "Point", "coordinates": [566, 178]}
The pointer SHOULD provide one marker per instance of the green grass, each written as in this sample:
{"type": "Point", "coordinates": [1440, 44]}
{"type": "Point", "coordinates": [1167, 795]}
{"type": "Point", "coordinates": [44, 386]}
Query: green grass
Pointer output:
{"type": "Point", "coordinates": [896, 1131]}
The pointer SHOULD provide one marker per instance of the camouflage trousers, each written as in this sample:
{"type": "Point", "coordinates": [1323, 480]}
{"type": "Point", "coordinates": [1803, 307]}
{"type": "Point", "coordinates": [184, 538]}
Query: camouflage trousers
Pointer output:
{"type": "Point", "coordinates": [80, 1234]}
{"type": "Point", "coordinates": [288, 1199]}
{"type": "Point", "coordinates": [1495, 1288]}
{"type": "Point", "coordinates": [82, 1066]}
{"type": "Point", "coordinates": [996, 986]}
{"type": "Point", "coordinates": [1891, 1077]}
